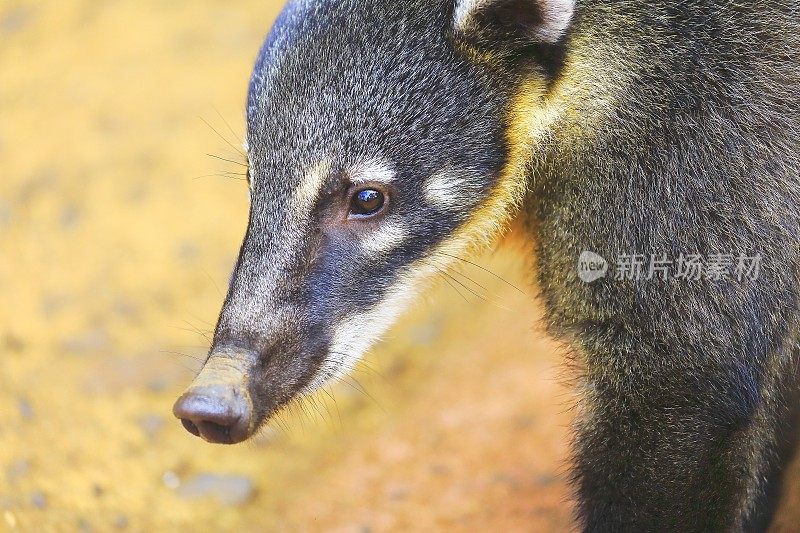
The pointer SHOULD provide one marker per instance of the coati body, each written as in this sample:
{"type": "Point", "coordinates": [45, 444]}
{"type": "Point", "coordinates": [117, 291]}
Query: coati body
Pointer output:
{"type": "Point", "coordinates": [387, 136]}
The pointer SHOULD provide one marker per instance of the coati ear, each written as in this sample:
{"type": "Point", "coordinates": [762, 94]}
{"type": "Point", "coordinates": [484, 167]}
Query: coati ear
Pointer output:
{"type": "Point", "coordinates": [544, 21]}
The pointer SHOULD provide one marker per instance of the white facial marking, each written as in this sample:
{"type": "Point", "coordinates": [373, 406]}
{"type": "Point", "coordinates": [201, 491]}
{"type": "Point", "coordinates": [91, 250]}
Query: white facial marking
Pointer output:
{"type": "Point", "coordinates": [556, 16]}
{"type": "Point", "coordinates": [308, 191]}
{"type": "Point", "coordinates": [372, 170]}
{"type": "Point", "coordinates": [388, 236]}
{"type": "Point", "coordinates": [354, 336]}
{"type": "Point", "coordinates": [453, 189]}
{"type": "Point", "coordinates": [465, 9]}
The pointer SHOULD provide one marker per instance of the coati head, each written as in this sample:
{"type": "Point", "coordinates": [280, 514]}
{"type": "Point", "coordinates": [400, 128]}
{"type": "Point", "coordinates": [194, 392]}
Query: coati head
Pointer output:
{"type": "Point", "coordinates": [382, 142]}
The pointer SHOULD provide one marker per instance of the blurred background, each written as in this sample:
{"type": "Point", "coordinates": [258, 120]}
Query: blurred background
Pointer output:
{"type": "Point", "coordinates": [117, 236]}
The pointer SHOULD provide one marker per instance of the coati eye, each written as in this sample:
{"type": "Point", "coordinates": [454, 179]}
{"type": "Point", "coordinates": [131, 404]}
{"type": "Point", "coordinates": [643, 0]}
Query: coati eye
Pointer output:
{"type": "Point", "coordinates": [366, 202]}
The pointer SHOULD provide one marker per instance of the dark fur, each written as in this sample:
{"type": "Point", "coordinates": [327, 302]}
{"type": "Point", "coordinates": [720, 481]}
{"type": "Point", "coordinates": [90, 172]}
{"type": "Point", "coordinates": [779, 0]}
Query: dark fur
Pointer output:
{"type": "Point", "coordinates": [686, 383]}
{"type": "Point", "coordinates": [686, 387]}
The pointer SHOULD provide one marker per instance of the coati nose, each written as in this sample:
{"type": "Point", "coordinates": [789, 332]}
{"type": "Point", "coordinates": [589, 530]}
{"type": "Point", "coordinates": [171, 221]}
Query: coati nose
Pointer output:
{"type": "Point", "coordinates": [219, 414]}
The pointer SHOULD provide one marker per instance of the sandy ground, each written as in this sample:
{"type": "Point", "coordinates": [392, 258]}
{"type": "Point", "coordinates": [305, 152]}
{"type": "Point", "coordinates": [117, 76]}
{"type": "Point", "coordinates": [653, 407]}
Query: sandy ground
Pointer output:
{"type": "Point", "coordinates": [116, 241]}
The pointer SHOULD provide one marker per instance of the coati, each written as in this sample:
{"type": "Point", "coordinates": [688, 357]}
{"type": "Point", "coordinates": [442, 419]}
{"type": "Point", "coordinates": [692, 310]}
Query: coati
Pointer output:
{"type": "Point", "coordinates": [387, 135]}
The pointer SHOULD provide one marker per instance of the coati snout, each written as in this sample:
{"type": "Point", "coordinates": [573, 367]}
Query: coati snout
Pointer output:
{"type": "Point", "coordinates": [388, 137]}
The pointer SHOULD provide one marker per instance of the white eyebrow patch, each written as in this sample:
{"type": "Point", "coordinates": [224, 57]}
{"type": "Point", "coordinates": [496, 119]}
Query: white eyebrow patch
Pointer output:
{"type": "Point", "coordinates": [465, 10]}
{"type": "Point", "coordinates": [372, 170]}
{"type": "Point", "coordinates": [556, 17]}
{"type": "Point", "coordinates": [387, 236]}
{"type": "Point", "coordinates": [453, 189]}
{"type": "Point", "coordinates": [311, 184]}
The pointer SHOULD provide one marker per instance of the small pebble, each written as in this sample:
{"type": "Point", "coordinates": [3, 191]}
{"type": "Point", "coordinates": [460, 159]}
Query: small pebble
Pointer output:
{"type": "Point", "coordinates": [69, 216]}
{"type": "Point", "coordinates": [440, 470]}
{"type": "Point", "coordinates": [545, 480]}
{"type": "Point", "coordinates": [89, 342]}
{"type": "Point", "coordinates": [14, 20]}
{"type": "Point", "coordinates": [397, 493]}
{"type": "Point", "coordinates": [12, 343]}
{"type": "Point", "coordinates": [188, 252]}
{"type": "Point", "coordinates": [121, 522]}
{"type": "Point", "coordinates": [171, 480]}
{"type": "Point", "coordinates": [18, 469]}
{"type": "Point", "coordinates": [426, 333]}
{"type": "Point", "coordinates": [25, 408]}
{"type": "Point", "coordinates": [227, 489]}
{"type": "Point", "coordinates": [39, 500]}
{"type": "Point", "coordinates": [152, 424]}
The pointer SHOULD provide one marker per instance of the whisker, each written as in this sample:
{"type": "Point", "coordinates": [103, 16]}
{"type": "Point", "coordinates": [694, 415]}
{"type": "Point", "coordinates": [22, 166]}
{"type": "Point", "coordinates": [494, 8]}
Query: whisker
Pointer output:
{"type": "Point", "coordinates": [230, 177]}
{"type": "Point", "coordinates": [485, 270]}
{"type": "Point", "coordinates": [219, 292]}
{"type": "Point", "coordinates": [300, 412]}
{"type": "Point", "coordinates": [190, 347]}
{"type": "Point", "coordinates": [231, 173]}
{"type": "Point", "coordinates": [198, 331]}
{"type": "Point", "coordinates": [330, 395]}
{"type": "Point", "coordinates": [488, 299]}
{"type": "Point", "coordinates": [201, 320]}
{"type": "Point", "coordinates": [446, 279]}
{"type": "Point", "coordinates": [194, 329]}
{"type": "Point", "coordinates": [181, 362]}
{"type": "Point", "coordinates": [495, 301]}
{"type": "Point", "coordinates": [228, 125]}
{"type": "Point", "coordinates": [474, 293]}
{"type": "Point", "coordinates": [456, 271]}
{"type": "Point", "coordinates": [361, 366]}
{"type": "Point", "coordinates": [360, 388]}
{"type": "Point", "coordinates": [239, 150]}
{"type": "Point", "coordinates": [231, 152]}
{"type": "Point", "coordinates": [227, 160]}
{"type": "Point", "coordinates": [318, 405]}
{"type": "Point", "coordinates": [188, 356]}
{"type": "Point", "coordinates": [277, 419]}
